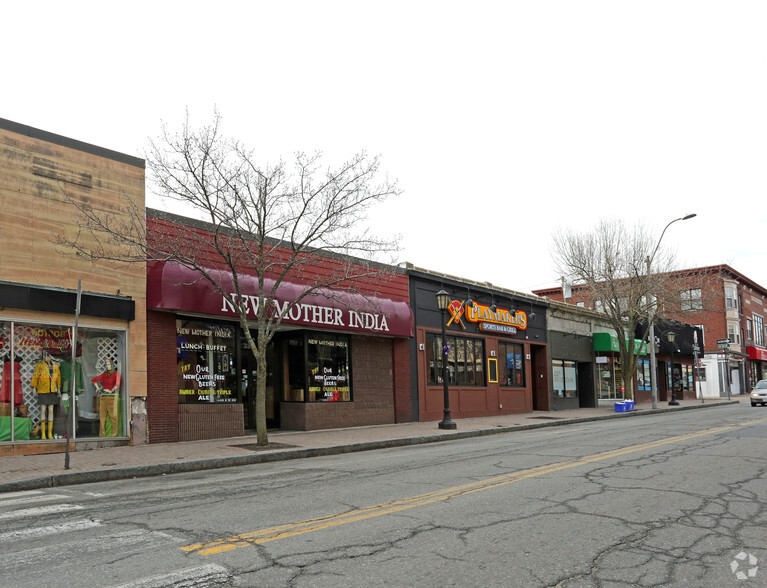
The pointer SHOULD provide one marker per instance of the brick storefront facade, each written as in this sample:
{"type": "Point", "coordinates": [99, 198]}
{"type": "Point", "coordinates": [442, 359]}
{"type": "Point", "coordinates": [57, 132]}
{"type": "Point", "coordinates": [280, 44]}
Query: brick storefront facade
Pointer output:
{"type": "Point", "coordinates": [320, 341]}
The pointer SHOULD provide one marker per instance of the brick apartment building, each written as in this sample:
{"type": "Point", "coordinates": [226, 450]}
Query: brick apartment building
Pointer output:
{"type": "Point", "coordinates": [726, 305]}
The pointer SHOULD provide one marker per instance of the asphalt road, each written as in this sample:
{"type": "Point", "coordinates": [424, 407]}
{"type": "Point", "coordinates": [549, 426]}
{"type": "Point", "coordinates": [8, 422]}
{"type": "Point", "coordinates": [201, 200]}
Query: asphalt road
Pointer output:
{"type": "Point", "coordinates": [666, 500]}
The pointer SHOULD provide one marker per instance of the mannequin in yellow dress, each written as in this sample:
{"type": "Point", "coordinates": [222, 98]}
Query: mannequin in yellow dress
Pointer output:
{"type": "Point", "coordinates": [46, 379]}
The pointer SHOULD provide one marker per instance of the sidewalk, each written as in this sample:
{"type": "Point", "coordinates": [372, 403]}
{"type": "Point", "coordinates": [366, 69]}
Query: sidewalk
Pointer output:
{"type": "Point", "coordinates": [26, 472]}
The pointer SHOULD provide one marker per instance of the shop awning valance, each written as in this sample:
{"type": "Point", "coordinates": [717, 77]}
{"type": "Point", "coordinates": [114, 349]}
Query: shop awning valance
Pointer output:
{"type": "Point", "coordinates": [756, 353]}
{"type": "Point", "coordinates": [173, 287]}
{"type": "Point", "coordinates": [609, 342]}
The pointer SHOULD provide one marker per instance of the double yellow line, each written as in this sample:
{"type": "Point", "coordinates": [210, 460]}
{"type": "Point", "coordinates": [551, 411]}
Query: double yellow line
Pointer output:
{"type": "Point", "coordinates": [293, 529]}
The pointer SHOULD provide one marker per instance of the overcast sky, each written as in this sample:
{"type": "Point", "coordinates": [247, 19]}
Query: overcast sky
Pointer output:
{"type": "Point", "coordinates": [503, 121]}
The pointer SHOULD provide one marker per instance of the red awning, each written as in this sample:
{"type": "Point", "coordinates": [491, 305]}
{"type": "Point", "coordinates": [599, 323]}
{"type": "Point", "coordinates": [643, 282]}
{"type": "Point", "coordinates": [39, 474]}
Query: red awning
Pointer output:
{"type": "Point", "coordinates": [173, 287]}
{"type": "Point", "coordinates": [756, 353]}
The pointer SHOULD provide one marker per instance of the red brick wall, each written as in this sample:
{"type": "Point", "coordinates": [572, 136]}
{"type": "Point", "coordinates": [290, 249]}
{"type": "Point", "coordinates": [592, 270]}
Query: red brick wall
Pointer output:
{"type": "Point", "coordinates": [210, 421]}
{"type": "Point", "coordinates": [384, 284]}
{"type": "Point", "coordinates": [403, 409]}
{"type": "Point", "coordinates": [372, 391]}
{"type": "Point", "coordinates": [162, 387]}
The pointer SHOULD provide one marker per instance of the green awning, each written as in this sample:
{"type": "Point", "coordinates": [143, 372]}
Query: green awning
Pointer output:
{"type": "Point", "coordinates": [609, 342]}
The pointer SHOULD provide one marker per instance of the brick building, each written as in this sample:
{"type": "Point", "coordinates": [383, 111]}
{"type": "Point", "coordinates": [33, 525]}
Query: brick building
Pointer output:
{"type": "Point", "coordinates": [339, 359]}
{"type": "Point", "coordinates": [497, 354]}
{"type": "Point", "coordinates": [725, 305]}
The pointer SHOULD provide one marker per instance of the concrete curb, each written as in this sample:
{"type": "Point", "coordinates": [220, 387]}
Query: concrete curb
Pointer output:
{"type": "Point", "coordinates": [124, 473]}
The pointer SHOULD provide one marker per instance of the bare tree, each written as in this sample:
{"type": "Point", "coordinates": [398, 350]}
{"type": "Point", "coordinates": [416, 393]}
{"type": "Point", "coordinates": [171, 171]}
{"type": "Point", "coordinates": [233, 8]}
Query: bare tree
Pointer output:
{"type": "Point", "coordinates": [611, 262]}
{"type": "Point", "coordinates": [271, 222]}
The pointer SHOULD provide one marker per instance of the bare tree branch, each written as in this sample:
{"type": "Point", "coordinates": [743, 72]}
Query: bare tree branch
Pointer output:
{"type": "Point", "coordinates": [270, 221]}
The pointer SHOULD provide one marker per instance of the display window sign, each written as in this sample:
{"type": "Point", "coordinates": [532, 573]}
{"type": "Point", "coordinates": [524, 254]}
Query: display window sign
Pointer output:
{"type": "Point", "coordinates": [328, 365]}
{"type": "Point", "coordinates": [501, 320]}
{"type": "Point", "coordinates": [205, 355]}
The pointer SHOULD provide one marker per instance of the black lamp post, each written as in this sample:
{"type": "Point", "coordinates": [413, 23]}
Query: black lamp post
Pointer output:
{"type": "Point", "coordinates": [443, 301]}
{"type": "Point", "coordinates": [671, 336]}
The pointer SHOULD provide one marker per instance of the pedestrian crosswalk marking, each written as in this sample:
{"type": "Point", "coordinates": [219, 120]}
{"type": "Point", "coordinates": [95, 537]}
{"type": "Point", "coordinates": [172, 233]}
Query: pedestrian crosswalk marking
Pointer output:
{"type": "Point", "coordinates": [39, 511]}
{"type": "Point", "coordinates": [35, 532]}
{"type": "Point", "coordinates": [32, 499]}
{"type": "Point", "coordinates": [198, 575]}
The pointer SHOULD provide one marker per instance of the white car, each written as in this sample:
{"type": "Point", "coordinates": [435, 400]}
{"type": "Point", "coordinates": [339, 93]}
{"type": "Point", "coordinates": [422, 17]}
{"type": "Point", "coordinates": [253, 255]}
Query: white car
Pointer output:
{"type": "Point", "coordinates": [759, 393]}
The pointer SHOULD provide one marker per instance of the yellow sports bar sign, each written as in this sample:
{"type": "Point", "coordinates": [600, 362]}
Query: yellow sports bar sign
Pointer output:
{"type": "Point", "coordinates": [501, 320]}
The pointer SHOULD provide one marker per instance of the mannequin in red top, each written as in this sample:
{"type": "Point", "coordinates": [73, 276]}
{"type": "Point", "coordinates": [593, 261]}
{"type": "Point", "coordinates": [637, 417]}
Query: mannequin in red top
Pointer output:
{"type": "Point", "coordinates": [108, 388]}
{"type": "Point", "coordinates": [9, 374]}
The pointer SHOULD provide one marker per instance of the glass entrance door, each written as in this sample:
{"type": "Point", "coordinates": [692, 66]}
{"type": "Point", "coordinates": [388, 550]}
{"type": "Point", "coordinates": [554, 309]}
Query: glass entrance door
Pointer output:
{"type": "Point", "coordinates": [248, 383]}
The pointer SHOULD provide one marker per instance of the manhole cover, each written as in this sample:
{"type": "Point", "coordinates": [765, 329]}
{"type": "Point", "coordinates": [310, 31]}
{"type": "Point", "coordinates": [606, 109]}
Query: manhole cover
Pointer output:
{"type": "Point", "coordinates": [257, 447]}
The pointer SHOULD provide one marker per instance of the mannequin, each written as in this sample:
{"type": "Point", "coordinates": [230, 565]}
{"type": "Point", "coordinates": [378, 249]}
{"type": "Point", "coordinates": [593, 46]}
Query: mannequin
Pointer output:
{"type": "Point", "coordinates": [66, 380]}
{"type": "Point", "coordinates": [46, 379]}
{"type": "Point", "coordinates": [108, 389]}
{"type": "Point", "coordinates": [8, 374]}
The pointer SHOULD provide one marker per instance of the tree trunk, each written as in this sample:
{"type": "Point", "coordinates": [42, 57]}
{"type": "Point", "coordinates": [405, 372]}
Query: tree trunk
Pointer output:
{"type": "Point", "coordinates": [262, 437]}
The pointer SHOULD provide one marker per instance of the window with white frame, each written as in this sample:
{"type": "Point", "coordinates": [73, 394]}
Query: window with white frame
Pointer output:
{"type": "Point", "coordinates": [758, 330]}
{"type": "Point", "coordinates": [692, 299]}
{"type": "Point", "coordinates": [749, 330]}
{"type": "Point", "coordinates": [732, 333]}
{"type": "Point", "coordinates": [731, 297]}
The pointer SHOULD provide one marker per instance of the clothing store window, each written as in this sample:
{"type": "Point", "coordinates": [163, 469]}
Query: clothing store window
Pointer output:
{"type": "Point", "coordinates": [46, 395]}
{"type": "Point", "coordinates": [564, 378]}
{"type": "Point", "coordinates": [205, 362]}
{"type": "Point", "coordinates": [513, 361]}
{"type": "Point", "coordinates": [465, 360]}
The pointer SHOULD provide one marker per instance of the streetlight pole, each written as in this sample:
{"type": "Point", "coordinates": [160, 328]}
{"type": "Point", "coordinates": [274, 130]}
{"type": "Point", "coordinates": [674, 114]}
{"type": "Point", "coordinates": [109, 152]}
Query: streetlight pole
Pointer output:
{"type": "Point", "coordinates": [651, 317]}
{"type": "Point", "coordinates": [443, 300]}
{"type": "Point", "coordinates": [671, 337]}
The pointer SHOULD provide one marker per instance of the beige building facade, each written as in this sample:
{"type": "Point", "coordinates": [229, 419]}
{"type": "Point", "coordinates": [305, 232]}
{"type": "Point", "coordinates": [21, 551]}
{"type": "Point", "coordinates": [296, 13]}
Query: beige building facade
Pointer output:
{"type": "Point", "coordinates": [42, 176]}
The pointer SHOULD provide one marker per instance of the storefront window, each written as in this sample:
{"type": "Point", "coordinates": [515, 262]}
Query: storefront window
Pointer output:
{"type": "Point", "coordinates": [465, 360]}
{"type": "Point", "coordinates": [564, 378]}
{"type": "Point", "coordinates": [751, 374]}
{"type": "Point", "coordinates": [205, 362]}
{"type": "Point", "coordinates": [41, 388]}
{"type": "Point", "coordinates": [318, 368]}
{"type": "Point", "coordinates": [609, 378]}
{"type": "Point", "coordinates": [643, 374]}
{"type": "Point", "coordinates": [512, 358]}
{"type": "Point", "coordinates": [328, 366]}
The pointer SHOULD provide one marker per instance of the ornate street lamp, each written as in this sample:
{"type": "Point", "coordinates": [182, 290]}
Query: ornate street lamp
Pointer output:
{"type": "Point", "coordinates": [670, 337]}
{"type": "Point", "coordinates": [443, 301]}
